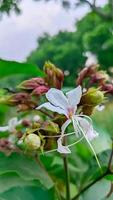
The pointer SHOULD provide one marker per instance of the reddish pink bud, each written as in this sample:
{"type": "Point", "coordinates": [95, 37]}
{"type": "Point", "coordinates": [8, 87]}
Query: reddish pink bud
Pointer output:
{"type": "Point", "coordinates": [40, 90]}
{"type": "Point", "coordinates": [22, 100]}
{"type": "Point", "coordinates": [32, 83]}
{"type": "Point", "coordinates": [99, 77]}
{"type": "Point", "coordinates": [108, 88]}
{"type": "Point", "coordinates": [86, 72]}
{"type": "Point", "coordinates": [17, 98]}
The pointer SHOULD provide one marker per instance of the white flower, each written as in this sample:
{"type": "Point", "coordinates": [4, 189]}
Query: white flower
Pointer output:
{"type": "Point", "coordinates": [11, 125]}
{"type": "Point", "coordinates": [67, 105]}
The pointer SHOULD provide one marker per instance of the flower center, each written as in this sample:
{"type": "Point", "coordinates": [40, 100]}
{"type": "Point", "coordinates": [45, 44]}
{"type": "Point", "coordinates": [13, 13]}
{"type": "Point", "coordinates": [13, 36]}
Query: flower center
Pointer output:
{"type": "Point", "coordinates": [70, 112]}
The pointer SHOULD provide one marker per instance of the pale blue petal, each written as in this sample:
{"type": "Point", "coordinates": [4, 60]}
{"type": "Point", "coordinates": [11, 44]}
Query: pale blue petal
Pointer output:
{"type": "Point", "coordinates": [52, 108]}
{"type": "Point", "coordinates": [74, 96]}
{"type": "Point", "coordinates": [57, 98]}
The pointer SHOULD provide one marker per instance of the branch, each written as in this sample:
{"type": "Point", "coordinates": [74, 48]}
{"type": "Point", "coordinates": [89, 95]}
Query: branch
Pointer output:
{"type": "Point", "coordinates": [95, 9]}
{"type": "Point", "coordinates": [88, 186]}
{"type": "Point", "coordinates": [46, 113]}
{"type": "Point", "coordinates": [108, 172]}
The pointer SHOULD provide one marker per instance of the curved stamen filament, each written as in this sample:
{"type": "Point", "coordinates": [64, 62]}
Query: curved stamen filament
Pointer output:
{"type": "Point", "coordinates": [70, 145]}
{"type": "Point", "coordinates": [87, 117]}
{"type": "Point", "coordinates": [89, 143]}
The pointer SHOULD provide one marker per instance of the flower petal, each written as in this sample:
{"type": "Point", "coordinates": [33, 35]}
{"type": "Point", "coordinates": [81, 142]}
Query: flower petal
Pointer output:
{"type": "Point", "coordinates": [49, 106]}
{"type": "Point", "coordinates": [87, 128]}
{"type": "Point", "coordinates": [64, 126]}
{"type": "Point", "coordinates": [12, 124]}
{"type": "Point", "coordinates": [74, 96]}
{"type": "Point", "coordinates": [57, 98]}
{"type": "Point", "coordinates": [61, 148]}
{"type": "Point", "coordinates": [4, 128]}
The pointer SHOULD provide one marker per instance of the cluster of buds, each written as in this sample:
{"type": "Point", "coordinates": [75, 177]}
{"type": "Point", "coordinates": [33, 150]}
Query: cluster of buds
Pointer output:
{"type": "Point", "coordinates": [36, 86]}
{"type": "Point", "coordinates": [22, 100]}
{"type": "Point", "coordinates": [54, 76]}
{"type": "Point", "coordinates": [30, 90]}
{"type": "Point", "coordinates": [93, 76]}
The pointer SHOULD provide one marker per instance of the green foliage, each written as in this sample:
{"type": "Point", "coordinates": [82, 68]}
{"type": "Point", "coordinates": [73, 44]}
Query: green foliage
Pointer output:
{"type": "Point", "coordinates": [98, 191]}
{"type": "Point", "coordinates": [63, 50]}
{"type": "Point", "coordinates": [24, 167]}
{"type": "Point", "coordinates": [8, 68]}
{"type": "Point", "coordinates": [29, 193]}
{"type": "Point", "coordinates": [11, 74]}
{"type": "Point", "coordinates": [6, 6]}
{"type": "Point", "coordinates": [66, 48]}
{"type": "Point", "coordinates": [103, 120]}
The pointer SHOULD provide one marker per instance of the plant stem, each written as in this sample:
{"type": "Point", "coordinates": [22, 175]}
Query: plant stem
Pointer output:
{"type": "Point", "coordinates": [67, 178]}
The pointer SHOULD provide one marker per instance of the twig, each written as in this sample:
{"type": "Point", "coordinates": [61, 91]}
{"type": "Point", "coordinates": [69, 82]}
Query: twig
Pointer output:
{"type": "Point", "coordinates": [88, 186]}
{"type": "Point", "coordinates": [108, 171]}
{"type": "Point", "coordinates": [46, 113]}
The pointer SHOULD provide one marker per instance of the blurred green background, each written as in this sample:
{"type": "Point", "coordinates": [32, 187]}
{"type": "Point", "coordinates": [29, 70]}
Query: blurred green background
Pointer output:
{"type": "Point", "coordinates": [20, 177]}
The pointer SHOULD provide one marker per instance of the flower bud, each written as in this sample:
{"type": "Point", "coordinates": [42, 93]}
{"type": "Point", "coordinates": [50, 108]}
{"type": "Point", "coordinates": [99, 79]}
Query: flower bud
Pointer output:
{"type": "Point", "coordinates": [100, 77]}
{"type": "Point", "coordinates": [31, 84]}
{"type": "Point", "coordinates": [40, 90]}
{"type": "Point", "coordinates": [92, 97]}
{"type": "Point", "coordinates": [22, 100]}
{"type": "Point", "coordinates": [108, 88]}
{"type": "Point", "coordinates": [86, 72]}
{"type": "Point", "coordinates": [17, 98]}
{"type": "Point", "coordinates": [54, 76]}
{"type": "Point", "coordinates": [32, 141]}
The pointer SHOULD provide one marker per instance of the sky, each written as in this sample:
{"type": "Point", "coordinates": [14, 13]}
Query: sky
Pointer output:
{"type": "Point", "coordinates": [19, 34]}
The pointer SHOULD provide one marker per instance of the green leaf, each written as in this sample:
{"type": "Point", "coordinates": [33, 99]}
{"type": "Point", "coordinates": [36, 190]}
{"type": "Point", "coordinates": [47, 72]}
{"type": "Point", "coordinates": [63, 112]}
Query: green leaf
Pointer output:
{"type": "Point", "coordinates": [8, 68]}
{"type": "Point", "coordinates": [29, 193]}
{"type": "Point", "coordinates": [102, 142]}
{"type": "Point", "coordinates": [98, 191]}
{"type": "Point", "coordinates": [10, 180]}
{"type": "Point", "coordinates": [27, 168]}
{"type": "Point", "coordinates": [109, 198]}
{"type": "Point", "coordinates": [109, 177]}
